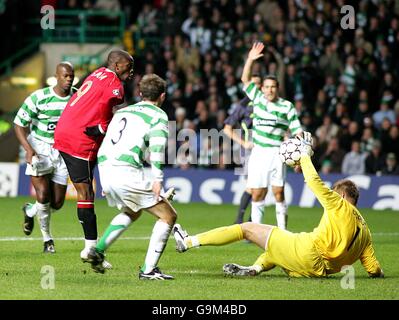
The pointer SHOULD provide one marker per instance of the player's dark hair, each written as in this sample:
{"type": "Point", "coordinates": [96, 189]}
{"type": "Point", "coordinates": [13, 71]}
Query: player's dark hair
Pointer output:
{"type": "Point", "coordinates": [152, 86]}
{"type": "Point", "coordinates": [272, 77]}
{"type": "Point", "coordinates": [348, 187]}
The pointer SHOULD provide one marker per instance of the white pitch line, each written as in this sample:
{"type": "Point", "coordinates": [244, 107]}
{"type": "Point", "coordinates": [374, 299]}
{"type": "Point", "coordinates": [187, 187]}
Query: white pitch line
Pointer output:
{"type": "Point", "coordinates": [377, 234]}
{"type": "Point", "coordinates": [64, 238]}
{"type": "Point", "coordinates": [381, 234]}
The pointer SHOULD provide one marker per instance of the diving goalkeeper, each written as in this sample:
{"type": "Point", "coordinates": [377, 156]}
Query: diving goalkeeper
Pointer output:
{"type": "Point", "coordinates": [341, 238]}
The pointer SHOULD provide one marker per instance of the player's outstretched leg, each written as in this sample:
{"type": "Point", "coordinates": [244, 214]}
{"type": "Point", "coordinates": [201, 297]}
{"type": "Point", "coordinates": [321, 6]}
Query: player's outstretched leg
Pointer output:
{"type": "Point", "coordinates": [237, 270]}
{"type": "Point", "coordinates": [215, 237]}
{"type": "Point", "coordinates": [180, 236]}
{"type": "Point", "coordinates": [261, 264]}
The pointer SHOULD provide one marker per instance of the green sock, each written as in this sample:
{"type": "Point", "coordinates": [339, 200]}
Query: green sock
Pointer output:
{"type": "Point", "coordinates": [114, 230]}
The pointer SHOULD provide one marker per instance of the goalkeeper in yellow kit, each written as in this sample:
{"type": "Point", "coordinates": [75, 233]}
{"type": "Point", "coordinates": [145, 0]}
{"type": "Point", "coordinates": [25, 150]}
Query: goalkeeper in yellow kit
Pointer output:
{"type": "Point", "coordinates": [341, 238]}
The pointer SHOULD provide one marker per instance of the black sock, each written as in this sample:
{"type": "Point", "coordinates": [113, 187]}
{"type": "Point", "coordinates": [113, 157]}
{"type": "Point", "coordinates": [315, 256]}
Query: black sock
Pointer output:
{"type": "Point", "coordinates": [244, 202]}
{"type": "Point", "coordinates": [88, 219]}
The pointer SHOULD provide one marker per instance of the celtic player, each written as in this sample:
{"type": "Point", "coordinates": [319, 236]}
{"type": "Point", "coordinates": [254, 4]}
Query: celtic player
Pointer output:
{"type": "Point", "coordinates": [272, 118]}
{"type": "Point", "coordinates": [133, 131]}
{"type": "Point", "coordinates": [39, 114]}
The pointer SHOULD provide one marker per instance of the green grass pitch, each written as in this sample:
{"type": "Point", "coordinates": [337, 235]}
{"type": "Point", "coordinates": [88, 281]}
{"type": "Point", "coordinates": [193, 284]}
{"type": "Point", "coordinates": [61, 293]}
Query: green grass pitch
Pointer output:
{"type": "Point", "coordinates": [198, 272]}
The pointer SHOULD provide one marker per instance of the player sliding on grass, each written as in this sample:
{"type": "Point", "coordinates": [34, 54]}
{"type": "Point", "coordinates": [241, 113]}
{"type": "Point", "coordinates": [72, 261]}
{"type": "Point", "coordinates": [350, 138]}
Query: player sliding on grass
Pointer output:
{"type": "Point", "coordinates": [133, 131]}
{"type": "Point", "coordinates": [341, 238]}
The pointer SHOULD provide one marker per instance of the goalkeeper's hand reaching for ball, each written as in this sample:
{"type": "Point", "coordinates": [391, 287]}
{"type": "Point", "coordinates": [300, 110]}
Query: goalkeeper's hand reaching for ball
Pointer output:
{"type": "Point", "coordinates": [306, 147]}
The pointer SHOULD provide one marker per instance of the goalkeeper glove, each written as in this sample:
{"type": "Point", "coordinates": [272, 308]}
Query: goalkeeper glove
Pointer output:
{"type": "Point", "coordinates": [306, 144]}
{"type": "Point", "coordinates": [93, 131]}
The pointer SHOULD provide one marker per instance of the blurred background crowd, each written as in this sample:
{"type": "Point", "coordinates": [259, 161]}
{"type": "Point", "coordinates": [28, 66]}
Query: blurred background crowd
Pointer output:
{"type": "Point", "coordinates": [343, 82]}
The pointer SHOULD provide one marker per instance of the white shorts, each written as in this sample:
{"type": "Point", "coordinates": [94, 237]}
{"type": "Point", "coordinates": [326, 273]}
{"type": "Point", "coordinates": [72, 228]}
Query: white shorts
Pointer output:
{"type": "Point", "coordinates": [265, 167]}
{"type": "Point", "coordinates": [50, 162]}
{"type": "Point", "coordinates": [125, 186]}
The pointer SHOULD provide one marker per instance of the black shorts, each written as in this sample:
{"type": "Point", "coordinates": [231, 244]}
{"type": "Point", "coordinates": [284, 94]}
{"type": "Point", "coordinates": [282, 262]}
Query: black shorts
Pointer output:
{"type": "Point", "coordinates": [80, 171]}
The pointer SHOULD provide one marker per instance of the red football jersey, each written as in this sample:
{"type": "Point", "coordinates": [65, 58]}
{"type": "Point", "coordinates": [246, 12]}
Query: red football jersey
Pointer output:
{"type": "Point", "coordinates": [91, 105]}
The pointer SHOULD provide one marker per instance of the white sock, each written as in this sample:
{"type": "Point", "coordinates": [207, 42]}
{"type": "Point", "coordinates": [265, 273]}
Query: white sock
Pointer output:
{"type": "Point", "coordinates": [194, 241]}
{"type": "Point", "coordinates": [43, 216]}
{"type": "Point", "coordinates": [90, 244]}
{"type": "Point", "coordinates": [117, 226]}
{"type": "Point", "coordinates": [257, 268]}
{"type": "Point", "coordinates": [159, 238]}
{"type": "Point", "coordinates": [257, 211]}
{"type": "Point", "coordinates": [281, 215]}
{"type": "Point", "coordinates": [31, 209]}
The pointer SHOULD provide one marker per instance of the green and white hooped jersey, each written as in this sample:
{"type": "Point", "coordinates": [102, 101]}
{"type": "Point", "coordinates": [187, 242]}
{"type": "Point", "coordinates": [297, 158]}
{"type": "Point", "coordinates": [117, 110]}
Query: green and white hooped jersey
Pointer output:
{"type": "Point", "coordinates": [134, 130]}
{"type": "Point", "coordinates": [41, 111]}
{"type": "Point", "coordinates": [271, 120]}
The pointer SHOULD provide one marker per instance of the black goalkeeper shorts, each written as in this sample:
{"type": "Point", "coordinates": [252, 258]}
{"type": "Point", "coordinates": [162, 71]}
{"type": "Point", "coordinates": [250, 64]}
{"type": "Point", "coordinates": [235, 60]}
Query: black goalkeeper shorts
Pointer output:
{"type": "Point", "coordinates": [80, 171]}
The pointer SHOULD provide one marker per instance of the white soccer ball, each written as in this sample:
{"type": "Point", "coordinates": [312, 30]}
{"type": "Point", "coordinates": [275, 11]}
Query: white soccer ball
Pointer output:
{"type": "Point", "coordinates": [290, 152]}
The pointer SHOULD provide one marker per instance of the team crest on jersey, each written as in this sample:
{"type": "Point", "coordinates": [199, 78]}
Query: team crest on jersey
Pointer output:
{"type": "Point", "coordinates": [115, 92]}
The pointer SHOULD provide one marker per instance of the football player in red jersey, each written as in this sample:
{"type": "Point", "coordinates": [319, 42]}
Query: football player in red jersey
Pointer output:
{"type": "Point", "coordinates": [81, 129]}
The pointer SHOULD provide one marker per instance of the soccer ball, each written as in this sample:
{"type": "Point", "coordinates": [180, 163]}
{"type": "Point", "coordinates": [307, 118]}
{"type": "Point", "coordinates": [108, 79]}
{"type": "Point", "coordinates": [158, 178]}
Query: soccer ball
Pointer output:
{"type": "Point", "coordinates": [290, 152]}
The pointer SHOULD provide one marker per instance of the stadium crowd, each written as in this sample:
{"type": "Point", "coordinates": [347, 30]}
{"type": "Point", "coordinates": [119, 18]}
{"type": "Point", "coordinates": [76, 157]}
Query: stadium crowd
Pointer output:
{"type": "Point", "coordinates": [343, 82]}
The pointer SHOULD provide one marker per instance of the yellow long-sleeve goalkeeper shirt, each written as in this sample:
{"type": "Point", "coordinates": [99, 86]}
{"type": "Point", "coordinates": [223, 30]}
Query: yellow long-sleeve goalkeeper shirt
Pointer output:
{"type": "Point", "coordinates": [342, 236]}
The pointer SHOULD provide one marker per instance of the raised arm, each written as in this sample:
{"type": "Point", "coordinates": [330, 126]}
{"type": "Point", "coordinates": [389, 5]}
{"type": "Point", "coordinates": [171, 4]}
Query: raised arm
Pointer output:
{"type": "Point", "coordinates": [327, 197]}
{"type": "Point", "coordinates": [254, 53]}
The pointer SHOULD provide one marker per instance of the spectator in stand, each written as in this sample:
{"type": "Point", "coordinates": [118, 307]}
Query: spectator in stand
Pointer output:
{"type": "Point", "coordinates": [384, 132]}
{"type": "Point", "coordinates": [170, 20]}
{"type": "Point", "coordinates": [391, 165]}
{"type": "Point", "coordinates": [330, 61]}
{"type": "Point", "coordinates": [146, 20]}
{"type": "Point", "coordinates": [307, 122]}
{"type": "Point", "coordinates": [350, 134]}
{"type": "Point", "coordinates": [358, 66]}
{"type": "Point", "coordinates": [390, 143]}
{"type": "Point", "coordinates": [384, 112]}
{"type": "Point", "coordinates": [327, 130]}
{"type": "Point", "coordinates": [367, 140]}
{"type": "Point", "coordinates": [187, 56]}
{"type": "Point", "coordinates": [334, 154]}
{"type": "Point", "coordinates": [349, 75]}
{"type": "Point", "coordinates": [354, 161]}
{"type": "Point", "coordinates": [375, 161]}
{"type": "Point", "coordinates": [361, 112]}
